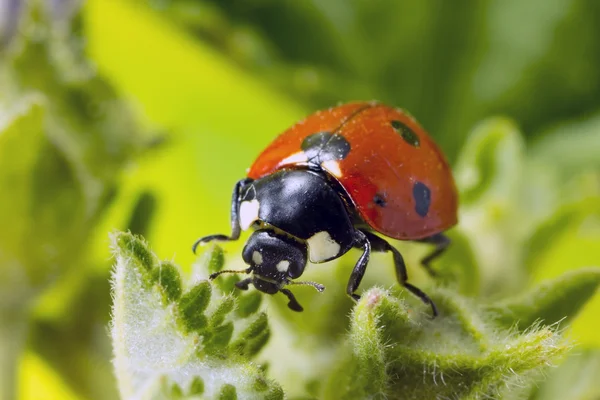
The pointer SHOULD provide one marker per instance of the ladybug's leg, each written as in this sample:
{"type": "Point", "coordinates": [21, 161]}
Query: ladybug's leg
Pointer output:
{"type": "Point", "coordinates": [441, 243]}
{"type": "Point", "coordinates": [243, 284]}
{"type": "Point", "coordinates": [235, 220]}
{"type": "Point", "coordinates": [379, 244]}
{"type": "Point", "coordinates": [358, 272]}
{"type": "Point", "coordinates": [293, 303]}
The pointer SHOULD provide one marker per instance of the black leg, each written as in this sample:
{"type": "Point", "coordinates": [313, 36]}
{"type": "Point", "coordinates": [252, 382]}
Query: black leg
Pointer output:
{"type": "Point", "coordinates": [358, 272]}
{"type": "Point", "coordinates": [379, 244]}
{"type": "Point", "coordinates": [243, 284]}
{"type": "Point", "coordinates": [235, 220]}
{"type": "Point", "coordinates": [441, 243]}
{"type": "Point", "coordinates": [293, 303]}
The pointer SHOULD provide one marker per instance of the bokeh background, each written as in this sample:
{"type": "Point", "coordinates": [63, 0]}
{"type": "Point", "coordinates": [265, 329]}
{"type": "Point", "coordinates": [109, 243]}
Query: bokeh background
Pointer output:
{"type": "Point", "coordinates": [141, 115]}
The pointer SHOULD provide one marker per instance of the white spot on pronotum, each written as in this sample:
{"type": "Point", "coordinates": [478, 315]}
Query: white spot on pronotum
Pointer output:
{"type": "Point", "coordinates": [333, 167]}
{"type": "Point", "coordinates": [257, 258]}
{"type": "Point", "coordinates": [297, 158]}
{"type": "Point", "coordinates": [248, 213]}
{"type": "Point", "coordinates": [322, 247]}
{"type": "Point", "coordinates": [283, 265]}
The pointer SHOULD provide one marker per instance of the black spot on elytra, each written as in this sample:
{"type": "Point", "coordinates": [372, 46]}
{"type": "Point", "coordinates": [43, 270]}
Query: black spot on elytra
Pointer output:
{"type": "Point", "coordinates": [407, 134]}
{"type": "Point", "coordinates": [422, 196]}
{"type": "Point", "coordinates": [379, 200]}
{"type": "Point", "coordinates": [325, 146]}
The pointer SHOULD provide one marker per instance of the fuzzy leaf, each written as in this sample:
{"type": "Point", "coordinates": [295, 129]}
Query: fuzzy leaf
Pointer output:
{"type": "Point", "coordinates": [227, 392]}
{"type": "Point", "coordinates": [226, 305]}
{"type": "Point", "coordinates": [168, 280]}
{"type": "Point", "coordinates": [156, 329]}
{"type": "Point", "coordinates": [398, 354]}
{"type": "Point", "coordinates": [192, 305]}
{"type": "Point", "coordinates": [249, 304]}
{"type": "Point", "coordinates": [558, 300]}
{"type": "Point", "coordinates": [215, 259]}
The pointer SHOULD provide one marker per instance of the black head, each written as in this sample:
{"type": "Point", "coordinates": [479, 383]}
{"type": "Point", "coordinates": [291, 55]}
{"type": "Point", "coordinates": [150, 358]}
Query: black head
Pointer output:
{"type": "Point", "coordinates": [274, 260]}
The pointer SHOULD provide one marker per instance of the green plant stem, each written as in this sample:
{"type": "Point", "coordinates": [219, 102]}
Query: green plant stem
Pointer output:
{"type": "Point", "coordinates": [13, 330]}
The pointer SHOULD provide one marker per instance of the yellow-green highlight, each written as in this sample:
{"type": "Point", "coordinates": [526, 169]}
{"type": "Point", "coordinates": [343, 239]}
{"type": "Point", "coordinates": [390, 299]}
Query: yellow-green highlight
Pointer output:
{"type": "Point", "coordinates": [217, 116]}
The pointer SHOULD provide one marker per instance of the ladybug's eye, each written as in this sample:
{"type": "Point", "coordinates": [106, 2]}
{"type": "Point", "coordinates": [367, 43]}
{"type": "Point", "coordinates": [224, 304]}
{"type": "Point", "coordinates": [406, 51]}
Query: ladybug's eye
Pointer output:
{"type": "Point", "coordinates": [295, 268]}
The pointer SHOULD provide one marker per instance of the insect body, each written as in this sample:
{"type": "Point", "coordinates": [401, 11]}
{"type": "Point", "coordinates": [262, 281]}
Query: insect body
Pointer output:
{"type": "Point", "coordinates": [333, 182]}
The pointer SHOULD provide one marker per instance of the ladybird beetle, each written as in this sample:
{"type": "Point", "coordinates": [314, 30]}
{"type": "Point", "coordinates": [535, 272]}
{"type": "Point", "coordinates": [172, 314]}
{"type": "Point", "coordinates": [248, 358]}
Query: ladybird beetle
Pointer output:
{"type": "Point", "coordinates": [334, 181]}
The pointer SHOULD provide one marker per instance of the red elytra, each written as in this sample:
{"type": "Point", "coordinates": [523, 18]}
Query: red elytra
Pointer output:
{"type": "Point", "coordinates": [384, 163]}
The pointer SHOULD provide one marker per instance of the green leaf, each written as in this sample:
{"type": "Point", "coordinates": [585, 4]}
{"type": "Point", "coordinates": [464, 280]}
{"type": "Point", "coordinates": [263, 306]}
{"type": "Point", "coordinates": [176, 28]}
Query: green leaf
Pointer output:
{"type": "Point", "coordinates": [227, 392]}
{"type": "Point", "coordinates": [167, 277]}
{"type": "Point", "coordinates": [218, 338]}
{"type": "Point", "coordinates": [138, 38]}
{"type": "Point", "coordinates": [458, 265]}
{"type": "Point", "coordinates": [556, 301]}
{"type": "Point", "coordinates": [137, 249]}
{"type": "Point", "coordinates": [489, 175]}
{"type": "Point", "coordinates": [192, 305]}
{"type": "Point", "coordinates": [253, 338]}
{"type": "Point", "coordinates": [575, 379]}
{"type": "Point", "coordinates": [567, 241]}
{"type": "Point", "coordinates": [248, 304]}
{"type": "Point", "coordinates": [157, 355]}
{"type": "Point", "coordinates": [226, 305]}
{"type": "Point", "coordinates": [570, 148]}
{"type": "Point", "coordinates": [214, 258]}
{"type": "Point", "coordinates": [490, 161]}
{"type": "Point", "coordinates": [396, 353]}
{"type": "Point", "coordinates": [197, 386]}
{"type": "Point", "coordinates": [21, 139]}
{"type": "Point", "coordinates": [570, 220]}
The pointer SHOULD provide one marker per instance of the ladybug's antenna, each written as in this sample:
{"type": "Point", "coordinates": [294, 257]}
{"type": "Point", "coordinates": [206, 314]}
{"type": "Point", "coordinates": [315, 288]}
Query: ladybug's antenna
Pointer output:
{"type": "Point", "coordinates": [318, 286]}
{"type": "Point", "coordinates": [230, 271]}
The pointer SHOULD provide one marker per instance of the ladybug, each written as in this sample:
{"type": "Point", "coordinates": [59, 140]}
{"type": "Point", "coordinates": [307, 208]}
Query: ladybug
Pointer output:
{"type": "Point", "coordinates": [338, 180]}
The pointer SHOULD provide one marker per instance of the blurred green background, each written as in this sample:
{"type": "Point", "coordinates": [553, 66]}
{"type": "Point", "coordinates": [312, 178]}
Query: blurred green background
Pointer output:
{"type": "Point", "coordinates": [142, 115]}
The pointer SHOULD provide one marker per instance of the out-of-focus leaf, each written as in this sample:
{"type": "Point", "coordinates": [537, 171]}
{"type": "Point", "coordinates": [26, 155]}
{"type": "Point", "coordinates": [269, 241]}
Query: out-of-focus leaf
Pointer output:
{"type": "Point", "coordinates": [142, 213]}
{"type": "Point", "coordinates": [570, 240]}
{"type": "Point", "coordinates": [21, 138]}
{"type": "Point", "coordinates": [470, 60]}
{"type": "Point", "coordinates": [489, 178]}
{"type": "Point", "coordinates": [78, 141]}
{"type": "Point", "coordinates": [570, 148]}
{"type": "Point", "coordinates": [68, 332]}
{"type": "Point", "coordinates": [523, 53]}
{"type": "Point", "coordinates": [39, 381]}
{"type": "Point", "coordinates": [458, 266]}
{"type": "Point", "coordinates": [575, 379]}
{"type": "Point", "coordinates": [579, 220]}
{"type": "Point", "coordinates": [220, 118]}
{"type": "Point", "coordinates": [557, 301]}
{"type": "Point", "coordinates": [60, 162]}
{"type": "Point", "coordinates": [490, 163]}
